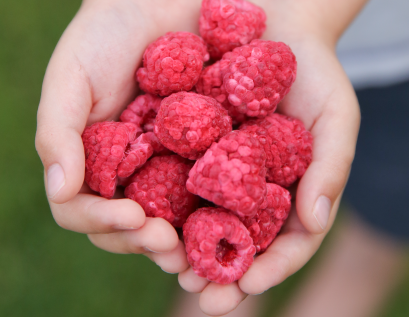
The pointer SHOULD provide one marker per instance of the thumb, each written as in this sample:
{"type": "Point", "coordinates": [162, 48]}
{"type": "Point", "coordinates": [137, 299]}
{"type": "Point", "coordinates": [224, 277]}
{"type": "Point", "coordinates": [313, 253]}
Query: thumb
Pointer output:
{"type": "Point", "coordinates": [62, 115]}
{"type": "Point", "coordinates": [335, 134]}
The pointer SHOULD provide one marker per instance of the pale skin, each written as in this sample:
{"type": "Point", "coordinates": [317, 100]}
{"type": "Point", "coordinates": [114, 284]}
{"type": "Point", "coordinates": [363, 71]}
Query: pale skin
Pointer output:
{"type": "Point", "coordinates": [90, 78]}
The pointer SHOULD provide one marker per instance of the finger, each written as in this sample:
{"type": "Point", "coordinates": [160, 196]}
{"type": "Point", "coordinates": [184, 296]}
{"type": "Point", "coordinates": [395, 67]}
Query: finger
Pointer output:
{"type": "Point", "coordinates": [217, 299]}
{"type": "Point", "coordinates": [87, 213]}
{"type": "Point", "coordinates": [85, 83]}
{"type": "Point", "coordinates": [155, 235]}
{"type": "Point", "coordinates": [172, 262]}
{"type": "Point", "coordinates": [288, 253]}
{"type": "Point", "coordinates": [335, 134]}
{"type": "Point", "coordinates": [191, 282]}
{"type": "Point", "coordinates": [64, 108]}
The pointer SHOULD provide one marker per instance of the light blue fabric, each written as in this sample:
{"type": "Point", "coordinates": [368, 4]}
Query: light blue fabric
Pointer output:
{"type": "Point", "coordinates": [374, 51]}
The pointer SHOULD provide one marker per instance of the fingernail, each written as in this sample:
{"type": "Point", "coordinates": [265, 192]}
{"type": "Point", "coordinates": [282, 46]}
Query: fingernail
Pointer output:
{"type": "Point", "coordinates": [147, 249]}
{"type": "Point", "coordinates": [257, 293]}
{"type": "Point", "coordinates": [55, 180]}
{"type": "Point", "coordinates": [322, 210]}
{"type": "Point", "coordinates": [121, 227]}
{"type": "Point", "coordinates": [167, 271]}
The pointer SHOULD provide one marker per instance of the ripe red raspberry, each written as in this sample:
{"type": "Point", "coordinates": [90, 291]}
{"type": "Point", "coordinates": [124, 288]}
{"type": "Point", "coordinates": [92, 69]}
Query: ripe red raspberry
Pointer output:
{"type": "Point", "coordinates": [142, 111]}
{"type": "Point", "coordinates": [111, 150]}
{"type": "Point", "coordinates": [211, 84]}
{"type": "Point", "coordinates": [257, 76]}
{"type": "Point", "coordinates": [158, 148]}
{"type": "Point", "coordinates": [218, 245]}
{"type": "Point", "coordinates": [159, 187]}
{"type": "Point", "coordinates": [148, 138]}
{"type": "Point", "coordinates": [227, 24]}
{"type": "Point", "coordinates": [232, 174]}
{"type": "Point", "coordinates": [188, 123]}
{"type": "Point", "coordinates": [266, 224]}
{"type": "Point", "coordinates": [172, 63]}
{"type": "Point", "coordinates": [288, 146]}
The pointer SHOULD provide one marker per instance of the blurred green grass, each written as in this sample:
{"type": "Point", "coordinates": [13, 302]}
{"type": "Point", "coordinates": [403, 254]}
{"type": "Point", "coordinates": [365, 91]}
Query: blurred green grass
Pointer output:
{"type": "Point", "coordinates": [45, 270]}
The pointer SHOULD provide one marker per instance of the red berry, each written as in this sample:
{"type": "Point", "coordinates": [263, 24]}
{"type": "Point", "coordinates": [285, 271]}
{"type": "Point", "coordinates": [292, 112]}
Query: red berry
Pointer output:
{"type": "Point", "coordinates": [227, 24]}
{"type": "Point", "coordinates": [188, 123]}
{"type": "Point", "coordinates": [266, 224]}
{"type": "Point", "coordinates": [231, 174]}
{"type": "Point", "coordinates": [172, 63]}
{"type": "Point", "coordinates": [159, 187]}
{"type": "Point", "coordinates": [288, 146]}
{"type": "Point", "coordinates": [112, 150]}
{"type": "Point", "coordinates": [257, 76]}
{"type": "Point", "coordinates": [218, 245]}
{"type": "Point", "coordinates": [211, 84]}
{"type": "Point", "coordinates": [142, 111]}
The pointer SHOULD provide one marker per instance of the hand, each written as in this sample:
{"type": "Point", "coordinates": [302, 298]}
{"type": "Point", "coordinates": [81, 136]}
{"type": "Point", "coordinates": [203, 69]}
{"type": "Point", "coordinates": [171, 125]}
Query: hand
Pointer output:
{"type": "Point", "coordinates": [323, 98]}
{"type": "Point", "coordinates": [90, 78]}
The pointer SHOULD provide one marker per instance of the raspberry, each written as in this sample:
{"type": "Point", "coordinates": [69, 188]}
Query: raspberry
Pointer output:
{"type": "Point", "coordinates": [266, 224]}
{"type": "Point", "coordinates": [172, 63]}
{"type": "Point", "coordinates": [111, 150]}
{"type": "Point", "coordinates": [188, 123]}
{"type": "Point", "coordinates": [288, 146]}
{"type": "Point", "coordinates": [257, 76]}
{"type": "Point", "coordinates": [159, 187]}
{"type": "Point", "coordinates": [231, 174]}
{"type": "Point", "coordinates": [227, 24]}
{"type": "Point", "coordinates": [158, 148]}
{"type": "Point", "coordinates": [136, 154]}
{"type": "Point", "coordinates": [218, 245]}
{"type": "Point", "coordinates": [211, 84]}
{"type": "Point", "coordinates": [142, 111]}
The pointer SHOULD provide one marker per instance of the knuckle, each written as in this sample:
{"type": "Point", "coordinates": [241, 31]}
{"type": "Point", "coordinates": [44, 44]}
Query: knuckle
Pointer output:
{"type": "Point", "coordinates": [41, 141]}
{"type": "Point", "coordinates": [61, 222]}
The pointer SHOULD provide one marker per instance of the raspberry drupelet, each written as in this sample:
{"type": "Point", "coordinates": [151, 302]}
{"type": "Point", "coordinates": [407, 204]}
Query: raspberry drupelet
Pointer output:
{"type": "Point", "coordinates": [257, 76]}
{"type": "Point", "coordinates": [288, 146]}
{"type": "Point", "coordinates": [267, 223]}
{"type": "Point", "coordinates": [210, 84]}
{"type": "Point", "coordinates": [142, 111]}
{"type": "Point", "coordinates": [232, 174]}
{"type": "Point", "coordinates": [227, 24]}
{"type": "Point", "coordinates": [188, 123]}
{"type": "Point", "coordinates": [218, 245]}
{"type": "Point", "coordinates": [159, 187]}
{"type": "Point", "coordinates": [112, 150]}
{"type": "Point", "coordinates": [172, 63]}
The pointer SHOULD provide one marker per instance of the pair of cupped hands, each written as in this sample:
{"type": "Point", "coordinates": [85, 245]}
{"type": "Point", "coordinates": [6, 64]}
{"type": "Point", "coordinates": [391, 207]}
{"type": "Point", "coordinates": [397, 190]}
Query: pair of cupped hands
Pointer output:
{"type": "Point", "coordinates": [90, 78]}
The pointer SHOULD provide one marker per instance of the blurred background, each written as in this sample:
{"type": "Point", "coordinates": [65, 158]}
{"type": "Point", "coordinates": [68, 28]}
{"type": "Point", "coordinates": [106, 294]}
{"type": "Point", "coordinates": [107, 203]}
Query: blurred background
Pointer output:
{"type": "Point", "coordinates": [45, 270]}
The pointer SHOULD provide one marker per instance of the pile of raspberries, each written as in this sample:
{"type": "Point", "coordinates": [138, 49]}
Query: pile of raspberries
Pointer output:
{"type": "Point", "coordinates": [174, 148]}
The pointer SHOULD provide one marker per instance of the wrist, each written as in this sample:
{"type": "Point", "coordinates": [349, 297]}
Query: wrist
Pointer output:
{"type": "Point", "coordinates": [291, 21]}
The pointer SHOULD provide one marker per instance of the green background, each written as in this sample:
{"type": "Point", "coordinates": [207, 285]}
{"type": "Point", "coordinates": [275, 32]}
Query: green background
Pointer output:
{"type": "Point", "coordinates": [45, 270]}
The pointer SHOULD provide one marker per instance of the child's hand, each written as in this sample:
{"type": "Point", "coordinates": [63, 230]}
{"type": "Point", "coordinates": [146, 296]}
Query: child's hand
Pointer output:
{"type": "Point", "coordinates": [91, 78]}
{"type": "Point", "coordinates": [323, 98]}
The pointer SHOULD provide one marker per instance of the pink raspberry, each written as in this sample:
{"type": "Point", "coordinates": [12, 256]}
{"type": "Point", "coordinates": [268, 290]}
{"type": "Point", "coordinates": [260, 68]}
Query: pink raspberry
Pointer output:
{"type": "Point", "coordinates": [150, 142]}
{"type": "Point", "coordinates": [112, 150]}
{"type": "Point", "coordinates": [227, 24]}
{"type": "Point", "coordinates": [172, 63]}
{"type": "Point", "coordinates": [218, 245]}
{"type": "Point", "coordinates": [232, 174]}
{"type": "Point", "coordinates": [257, 76]}
{"type": "Point", "coordinates": [288, 146]}
{"type": "Point", "coordinates": [159, 187]}
{"type": "Point", "coordinates": [188, 123]}
{"type": "Point", "coordinates": [211, 84]}
{"type": "Point", "coordinates": [158, 148]}
{"type": "Point", "coordinates": [266, 224]}
{"type": "Point", "coordinates": [142, 111]}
